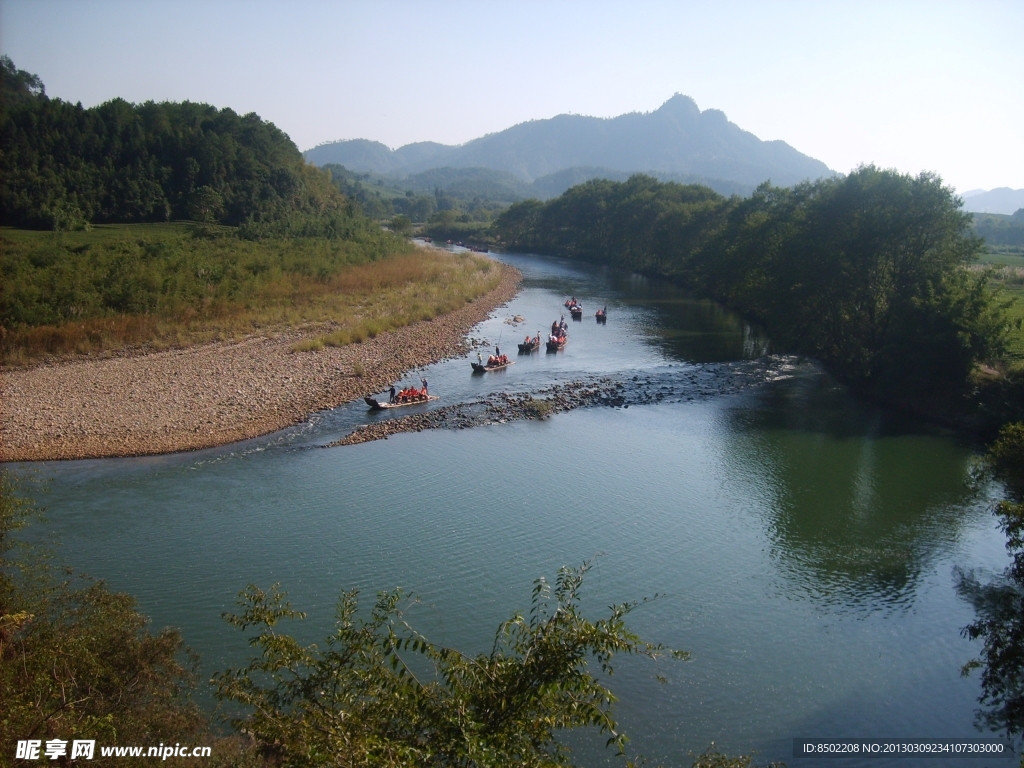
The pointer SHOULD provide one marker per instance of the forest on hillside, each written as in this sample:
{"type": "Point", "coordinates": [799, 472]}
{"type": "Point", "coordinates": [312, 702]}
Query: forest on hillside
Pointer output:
{"type": "Point", "coordinates": [63, 166]}
{"type": "Point", "coordinates": [999, 229]}
{"type": "Point", "coordinates": [89, 260]}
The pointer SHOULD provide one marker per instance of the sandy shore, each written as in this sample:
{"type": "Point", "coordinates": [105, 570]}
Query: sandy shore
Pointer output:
{"type": "Point", "coordinates": [215, 394]}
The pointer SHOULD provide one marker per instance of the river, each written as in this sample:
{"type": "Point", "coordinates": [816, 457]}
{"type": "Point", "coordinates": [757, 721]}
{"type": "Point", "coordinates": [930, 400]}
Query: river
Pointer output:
{"type": "Point", "coordinates": [805, 544]}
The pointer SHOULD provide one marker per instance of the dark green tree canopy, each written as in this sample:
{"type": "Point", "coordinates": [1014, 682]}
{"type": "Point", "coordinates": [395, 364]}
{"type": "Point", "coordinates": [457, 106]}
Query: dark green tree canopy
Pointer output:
{"type": "Point", "coordinates": [62, 166]}
{"type": "Point", "coordinates": [999, 602]}
{"type": "Point", "coordinates": [864, 272]}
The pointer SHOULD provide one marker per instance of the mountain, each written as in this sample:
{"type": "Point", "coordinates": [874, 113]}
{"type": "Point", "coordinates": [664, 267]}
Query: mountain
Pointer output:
{"type": "Point", "coordinates": [467, 183]}
{"type": "Point", "coordinates": [1001, 200]}
{"type": "Point", "coordinates": [675, 140]}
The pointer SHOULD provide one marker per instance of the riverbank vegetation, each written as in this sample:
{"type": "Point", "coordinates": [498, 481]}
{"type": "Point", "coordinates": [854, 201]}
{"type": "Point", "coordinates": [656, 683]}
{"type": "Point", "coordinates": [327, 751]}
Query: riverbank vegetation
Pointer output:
{"type": "Point", "coordinates": [449, 204]}
{"type": "Point", "coordinates": [371, 299]}
{"type": "Point", "coordinates": [161, 285]}
{"type": "Point", "coordinates": [380, 693]}
{"type": "Point", "coordinates": [1005, 265]}
{"type": "Point", "coordinates": [999, 603]}
{"type": "Point", "coordinates": [96, 265]}
{"type": "Point", "coordinates": [78, 661]}
{"type": "Point", "coordinates": [867, 272]}
{"type": "Point", "coordinates": [1001, 231]}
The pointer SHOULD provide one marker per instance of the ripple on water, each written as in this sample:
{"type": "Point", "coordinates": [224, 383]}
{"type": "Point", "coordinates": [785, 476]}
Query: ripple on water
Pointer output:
{"type": "Point", "coordinates": [804, 543]}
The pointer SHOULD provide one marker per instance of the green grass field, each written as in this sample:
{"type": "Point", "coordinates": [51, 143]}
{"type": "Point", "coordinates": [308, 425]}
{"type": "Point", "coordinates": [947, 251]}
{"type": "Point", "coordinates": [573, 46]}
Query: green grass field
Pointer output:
{"type": "Point", "coordinates": [105, 233]}
{"type": "Point", "coordinates": [1003, 256]}
{"type": "Point", "coordinates": [1008, 279]}
{"type": "Point", "coordinates": [1015, 294]}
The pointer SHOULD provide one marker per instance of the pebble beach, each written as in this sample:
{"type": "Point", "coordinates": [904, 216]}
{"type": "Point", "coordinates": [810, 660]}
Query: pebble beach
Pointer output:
{"type": "Point", "coordinates": [201, 397]}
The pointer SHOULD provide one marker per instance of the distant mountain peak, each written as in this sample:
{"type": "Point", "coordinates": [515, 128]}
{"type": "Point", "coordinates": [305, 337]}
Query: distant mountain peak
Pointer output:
{"type": "Point", "coordinates": [679, 105]}
{"type": "Point", "coordinates": [676, 139]}
{"type": "Point", "coordinates": [1002, 200]}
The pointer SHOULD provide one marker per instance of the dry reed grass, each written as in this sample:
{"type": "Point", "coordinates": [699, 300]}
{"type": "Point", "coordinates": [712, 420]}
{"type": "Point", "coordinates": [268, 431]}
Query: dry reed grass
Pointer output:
{"type": "Point", "coordinates": [356, 303]}
{"type": "Point", "coordinates": [382, 297]}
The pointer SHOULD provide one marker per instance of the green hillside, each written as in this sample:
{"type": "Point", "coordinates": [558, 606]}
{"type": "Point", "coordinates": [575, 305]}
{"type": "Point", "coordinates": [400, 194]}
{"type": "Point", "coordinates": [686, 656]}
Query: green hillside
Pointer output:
{"type": "Point", "coordinates": [64, 167]}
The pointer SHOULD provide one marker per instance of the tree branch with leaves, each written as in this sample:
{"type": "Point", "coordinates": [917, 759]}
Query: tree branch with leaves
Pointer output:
{"type": "Point", "coordinates": [380, 693]}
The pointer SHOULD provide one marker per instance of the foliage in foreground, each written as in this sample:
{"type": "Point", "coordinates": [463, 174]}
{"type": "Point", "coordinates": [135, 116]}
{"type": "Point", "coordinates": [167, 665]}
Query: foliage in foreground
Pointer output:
{"type": "Point", "coordinates": [76, 660]}
{"type": "Point", "coordinates": [379, 693]}
{"type": "Point", "coordinates": [999, 604]}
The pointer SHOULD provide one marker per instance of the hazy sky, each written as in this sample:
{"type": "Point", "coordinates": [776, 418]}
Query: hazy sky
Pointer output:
{"type": "Point", "coordinates": [935, 86]}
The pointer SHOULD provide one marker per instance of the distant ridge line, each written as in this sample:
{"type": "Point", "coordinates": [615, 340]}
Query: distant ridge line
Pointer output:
{"type": "Point", "coordinates": [675, 139]}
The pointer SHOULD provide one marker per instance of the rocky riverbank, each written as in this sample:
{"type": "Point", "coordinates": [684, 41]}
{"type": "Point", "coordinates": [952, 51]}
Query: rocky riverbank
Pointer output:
{"type": "Point", "coordinates": [215, 394]}
{"type": "Point", "coordinates": [683, 384]}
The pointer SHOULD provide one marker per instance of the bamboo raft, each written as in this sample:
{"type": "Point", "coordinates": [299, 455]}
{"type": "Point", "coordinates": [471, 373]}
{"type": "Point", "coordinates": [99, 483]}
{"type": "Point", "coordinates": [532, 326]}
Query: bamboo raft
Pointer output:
{"type": "Point", "coordinates": [478, 368]}
{"type": "Point", "coordinates": [377, 405]}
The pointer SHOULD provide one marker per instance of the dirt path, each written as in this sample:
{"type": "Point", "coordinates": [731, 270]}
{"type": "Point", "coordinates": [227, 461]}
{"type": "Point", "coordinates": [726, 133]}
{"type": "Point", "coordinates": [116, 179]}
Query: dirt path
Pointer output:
{"type": "Point", "coordinates": [214, 394]}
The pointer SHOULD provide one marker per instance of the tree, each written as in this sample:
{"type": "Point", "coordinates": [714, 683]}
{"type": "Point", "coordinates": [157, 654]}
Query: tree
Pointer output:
{"type": "Point", "coordinates": [205, 205]}
{"type": "Point", "coordinates": [17, 84]}
{"type": "Point", "coordinates": [865, 272]}
{"type": "Point", "coordinates": [122, 162]}
{"type": "Point", "coordinates": [379, 693]}
{"type": "Point", "coordinates": [76, 660]}
{"type": "Point", "coordinates": [999, 604]}
{"type": "Point", "coordinates": [516, 227]}
{"type": "Point", "coordinates": [874, 283]}
{"type": "Point", "coordinates": [401, 225]}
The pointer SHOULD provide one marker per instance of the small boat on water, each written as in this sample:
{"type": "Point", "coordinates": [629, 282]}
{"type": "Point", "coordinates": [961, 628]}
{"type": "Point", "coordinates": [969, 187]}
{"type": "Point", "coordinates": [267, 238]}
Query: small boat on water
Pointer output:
{"type": "Point", "coordinates": [576, 310]}
{"type": "Point", "coordinates": [602, 315]}
{"type": "Point", "coordinates": [556, 343]}
{"type": "Point", "coordinates": [381, 406]}
{"type": "Point", "coordinates": [488, 367]}
{"type": "Point", "coordinates": [495, 362]}
{"type": "Point", "coordinates": [530, 345]}
{"type": "Point", "coordinates": [558, 336]}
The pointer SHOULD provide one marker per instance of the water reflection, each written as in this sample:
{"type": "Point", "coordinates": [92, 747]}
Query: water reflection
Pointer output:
{"type": "Point", "coordinates": [999, 628]}
{"type": "Point", "coordinates": [662, 315]}
{"type": "Point", "coordinates": [690, 329]}
{"type": "Point", "coordinates": [857, 502]}
{"type": "Point", "coordinates": [762, 515]}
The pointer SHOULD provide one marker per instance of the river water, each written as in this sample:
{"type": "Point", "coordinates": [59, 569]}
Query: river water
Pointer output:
{"type": "Point", "coordinates": [804, 544]}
